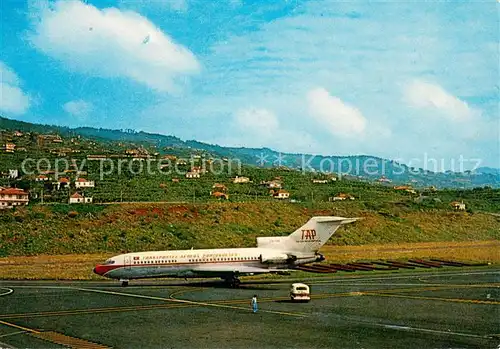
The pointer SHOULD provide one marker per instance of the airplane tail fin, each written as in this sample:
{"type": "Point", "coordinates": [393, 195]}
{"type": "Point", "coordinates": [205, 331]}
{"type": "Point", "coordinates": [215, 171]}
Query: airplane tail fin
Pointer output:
{"type": "Point", "coordinates": [308, 238]}
{"type": "Point", "coordinates": [315, 233]}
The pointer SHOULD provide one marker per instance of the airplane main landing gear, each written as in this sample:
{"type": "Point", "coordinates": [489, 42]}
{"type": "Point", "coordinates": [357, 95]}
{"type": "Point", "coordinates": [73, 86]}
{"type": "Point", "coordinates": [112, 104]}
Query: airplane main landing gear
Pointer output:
{"type": "Point", "coordinates": [124, 283]}
{"type": "Point", "coordinates": [233, 281]}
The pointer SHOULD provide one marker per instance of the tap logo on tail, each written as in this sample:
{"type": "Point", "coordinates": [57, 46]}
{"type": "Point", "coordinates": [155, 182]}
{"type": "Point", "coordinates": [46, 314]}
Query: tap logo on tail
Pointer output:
{"type": "Point", "coordinates": [308, 234]}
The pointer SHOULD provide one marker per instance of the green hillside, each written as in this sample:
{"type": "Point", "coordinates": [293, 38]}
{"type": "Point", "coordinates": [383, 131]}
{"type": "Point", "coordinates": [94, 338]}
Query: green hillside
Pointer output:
{"type": "Point", "coordinates": [78, 229]}
{"type": "Point", "coordinates": [128, 167]}
{"type": "Point", "coordinates": [85, 141]}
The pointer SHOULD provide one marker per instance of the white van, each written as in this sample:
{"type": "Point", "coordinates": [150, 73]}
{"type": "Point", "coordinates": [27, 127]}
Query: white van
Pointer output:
{"type": "Point", "coordinates": [300, 293]}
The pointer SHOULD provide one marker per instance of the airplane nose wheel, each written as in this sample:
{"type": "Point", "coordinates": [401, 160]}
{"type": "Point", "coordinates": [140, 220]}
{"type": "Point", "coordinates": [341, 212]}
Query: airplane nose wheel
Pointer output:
{"type": "Point", "coordinates": [124, 283]}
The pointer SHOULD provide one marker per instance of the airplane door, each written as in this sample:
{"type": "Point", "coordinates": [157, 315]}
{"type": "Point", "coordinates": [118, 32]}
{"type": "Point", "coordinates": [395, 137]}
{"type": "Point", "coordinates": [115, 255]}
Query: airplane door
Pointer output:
{"type": "Point", "coordinates": [127, 262]}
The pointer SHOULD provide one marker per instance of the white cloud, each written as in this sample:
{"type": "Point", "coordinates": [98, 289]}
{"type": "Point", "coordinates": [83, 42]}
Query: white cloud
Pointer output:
{"type": "Point", "coordinates": [111, 43]}
{"type": "Point", "coordinates": [333, 114]}
{"type": "Point", "coordinates": [12, 98]}
{"type": "Point", "coordinates": [78, 108]}
{"type": "Point", "coordinates": [256, 120]}
{"type": "Point", "coordinates": [260, 127]}
{"type": "Point", "coordinates": [255, 127]}
{"type": "Point", "coordinates": [432, 97]}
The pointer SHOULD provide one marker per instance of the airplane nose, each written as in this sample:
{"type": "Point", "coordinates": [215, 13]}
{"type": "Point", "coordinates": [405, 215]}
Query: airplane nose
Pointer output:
{"type": "Point", "coordinates": [99, 270]}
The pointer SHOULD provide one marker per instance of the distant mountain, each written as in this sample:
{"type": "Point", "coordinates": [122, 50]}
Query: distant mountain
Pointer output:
{"type": "Point", "coordinates": [488, 170]}
{"type": "Point", "coordinates": [364, 167]}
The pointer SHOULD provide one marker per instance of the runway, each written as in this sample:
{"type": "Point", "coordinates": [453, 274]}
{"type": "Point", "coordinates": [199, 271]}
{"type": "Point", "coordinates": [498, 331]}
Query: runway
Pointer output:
{"type": "Point", "coordinates": [450, 308]}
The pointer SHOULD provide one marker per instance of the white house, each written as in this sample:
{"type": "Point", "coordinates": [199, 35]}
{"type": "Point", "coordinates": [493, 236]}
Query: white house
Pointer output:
{"type": "Point", "coordinates": [341, 197]}
{"type": "Point", "coordinates": [281, 194]}
{"type": "Point", "coordinates": [459, 206]}
{"type": "Point", "coordinates": [192, 175]}
{"type": "Point", "coordinates": [83, 183]}
{"type": "Point", "coordinates": [41, 178]}
{"type": "Point", "coordinates": [383, 179]}
{"type": "Point", "coordinates": [241, 179]}
{"type": "Point", "coordinates": [320, 181]}
{"type": "Point", "coordinates": [10, 197]}
{"type": "Point", "coordinates": [77, 198]}
{"type": "Point", "coordinates": [274, 184]}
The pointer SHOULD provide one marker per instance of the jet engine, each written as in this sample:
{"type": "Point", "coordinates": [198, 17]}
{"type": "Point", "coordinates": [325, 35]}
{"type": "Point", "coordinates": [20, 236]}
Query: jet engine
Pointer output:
{"type": "Point", "coordinates": [316, 258]}
{"type": "Point", "coordinates": [275, 258]}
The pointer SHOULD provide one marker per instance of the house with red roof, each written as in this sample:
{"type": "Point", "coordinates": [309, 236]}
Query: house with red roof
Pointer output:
{"type": "Point", "coordinates": [83, 183]}
{"type": "Point", "coordinates": [41, 178]}
{"type": "Point", "coordinates": [78, 198]}
{"type": "Point", "coordinates": [10, 197]}
{"type": "Point", "coordinates": [281, 194]}
{"type": "Point", "coordinates": [63, 182]}
{"type": "Point", "coordinates": [9, 147]}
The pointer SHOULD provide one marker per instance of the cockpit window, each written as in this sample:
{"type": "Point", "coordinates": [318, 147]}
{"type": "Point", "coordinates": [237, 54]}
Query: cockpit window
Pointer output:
{"type": "Point", "coordinates": [109, 261]}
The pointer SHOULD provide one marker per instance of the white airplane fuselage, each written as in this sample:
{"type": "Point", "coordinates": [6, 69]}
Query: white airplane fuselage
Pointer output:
{"type": "Point", "coordinates": [199, 263]}
{"type": "Point", "coordinates": [272, 255]}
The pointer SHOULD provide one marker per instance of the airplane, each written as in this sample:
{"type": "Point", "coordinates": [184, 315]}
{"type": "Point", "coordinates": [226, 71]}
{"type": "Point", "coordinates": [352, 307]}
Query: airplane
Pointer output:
{"type": "Point", "coordinates": [276, 254]}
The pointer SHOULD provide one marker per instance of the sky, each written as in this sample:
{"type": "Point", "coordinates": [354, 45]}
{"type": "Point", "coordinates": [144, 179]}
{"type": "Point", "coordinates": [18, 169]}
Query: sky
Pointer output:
{"type": "Point", "coordinates": [401, 80]}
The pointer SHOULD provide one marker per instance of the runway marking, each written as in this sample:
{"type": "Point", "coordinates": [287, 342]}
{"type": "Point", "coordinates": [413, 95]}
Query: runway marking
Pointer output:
{"type": "Point", "coordinates": [455, 300]}
{"type": "Point", "coordinates": [5, 345]}
{"type": "Point", "coordinates": [415, 329]}
{"type": "Point", "coordinates": [90, 311]}
{"type": "Point", "coordinates": [181, 291]}
{"type": "Point", "coordinates": [19, 327]}
{"type": "Point", "coordinates": [434, 288]}
{"type": "Point", "coordinates": [9, 291]}
{"type": "Point", "coordinates": [67, 341]}
{"type": "Point", "coordinates": [428, 330]}
{"type": "Point", "coordinates": [12, 333]}
{"type": "Point", "coordinates": [190, 302]}
{"type": "Point", "coordinates": [57, 338]}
